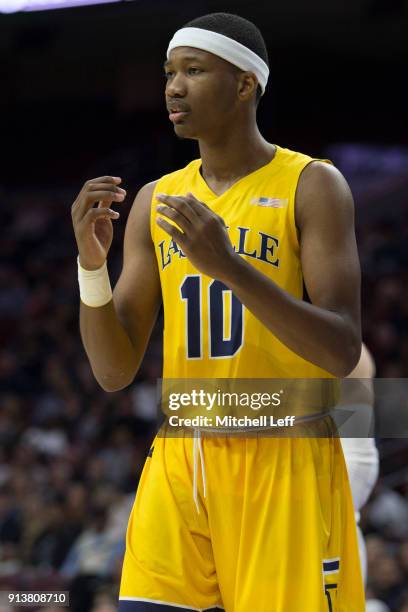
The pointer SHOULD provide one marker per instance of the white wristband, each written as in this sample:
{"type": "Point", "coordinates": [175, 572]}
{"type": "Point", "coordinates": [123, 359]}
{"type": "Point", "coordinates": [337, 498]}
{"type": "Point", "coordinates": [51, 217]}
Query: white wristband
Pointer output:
{"type": "Point", "coordinates": [94, 286]}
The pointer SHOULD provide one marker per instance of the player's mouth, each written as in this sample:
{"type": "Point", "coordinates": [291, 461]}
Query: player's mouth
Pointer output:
{"type": "Point", "coordinates": [177, 111]}
{"type": "Point", "coordinates": [177, 116]}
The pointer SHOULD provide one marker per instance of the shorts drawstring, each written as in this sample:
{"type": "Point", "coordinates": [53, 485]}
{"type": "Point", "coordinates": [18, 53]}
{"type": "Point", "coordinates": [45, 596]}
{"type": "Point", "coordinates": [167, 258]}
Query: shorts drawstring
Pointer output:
{"type": "Point", "coordinates": [198, 452]}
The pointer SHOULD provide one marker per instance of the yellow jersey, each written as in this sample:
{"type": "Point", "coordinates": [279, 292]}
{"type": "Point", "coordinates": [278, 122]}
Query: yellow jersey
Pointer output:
{"type": "Point", "coordinates": [208, 333]}
{"type": "Point", "coordinates": [273, 526]}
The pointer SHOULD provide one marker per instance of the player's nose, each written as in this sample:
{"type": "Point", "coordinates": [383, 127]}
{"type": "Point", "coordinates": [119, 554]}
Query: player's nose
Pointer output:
{"type": "Point", "coordinates": [176, 87]}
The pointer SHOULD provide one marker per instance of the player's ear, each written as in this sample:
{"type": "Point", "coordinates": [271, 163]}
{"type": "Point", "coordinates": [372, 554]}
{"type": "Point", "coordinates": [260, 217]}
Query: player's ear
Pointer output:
{"type": "Point", "coordinates": [247, 84]}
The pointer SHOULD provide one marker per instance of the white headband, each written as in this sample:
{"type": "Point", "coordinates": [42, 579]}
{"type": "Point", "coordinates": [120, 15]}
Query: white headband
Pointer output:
{"type": "Point", "coordinates": [227, 48]}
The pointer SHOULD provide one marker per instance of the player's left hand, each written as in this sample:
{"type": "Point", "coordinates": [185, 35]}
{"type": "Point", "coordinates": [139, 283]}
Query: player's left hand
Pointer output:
{"type": "Point", "coordinates": [203, 239]}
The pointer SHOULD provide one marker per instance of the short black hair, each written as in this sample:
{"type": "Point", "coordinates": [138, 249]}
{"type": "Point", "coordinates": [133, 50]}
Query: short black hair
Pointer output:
{"type": "Point", "coordinates": [237, 28]}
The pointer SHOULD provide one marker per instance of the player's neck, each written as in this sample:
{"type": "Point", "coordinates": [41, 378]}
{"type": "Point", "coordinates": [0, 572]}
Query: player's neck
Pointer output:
{"type": "Point", "coordinates": [232, 155]}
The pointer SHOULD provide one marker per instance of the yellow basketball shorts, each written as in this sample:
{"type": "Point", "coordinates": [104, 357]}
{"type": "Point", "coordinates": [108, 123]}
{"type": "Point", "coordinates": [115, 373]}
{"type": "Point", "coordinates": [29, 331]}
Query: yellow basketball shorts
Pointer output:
{"type": "Point", "coordinates": [252, 524]}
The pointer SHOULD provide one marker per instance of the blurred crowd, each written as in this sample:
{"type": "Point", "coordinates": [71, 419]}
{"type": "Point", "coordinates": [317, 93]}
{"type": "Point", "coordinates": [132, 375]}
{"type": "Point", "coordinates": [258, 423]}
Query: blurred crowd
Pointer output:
{"type": "Point", "coordinates": [71, 455]}
{"type": "Point", "coordinates": [383, 247]}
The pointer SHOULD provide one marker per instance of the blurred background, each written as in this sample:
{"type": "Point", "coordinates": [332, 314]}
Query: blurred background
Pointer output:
{"type": "Point", "coordinates": [82, 96]}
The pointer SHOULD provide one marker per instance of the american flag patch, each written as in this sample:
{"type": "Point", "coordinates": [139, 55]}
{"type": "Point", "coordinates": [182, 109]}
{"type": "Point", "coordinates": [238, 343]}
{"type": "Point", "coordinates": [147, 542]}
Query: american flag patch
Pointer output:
{"type": "Point", "coordinates": [271, 202]}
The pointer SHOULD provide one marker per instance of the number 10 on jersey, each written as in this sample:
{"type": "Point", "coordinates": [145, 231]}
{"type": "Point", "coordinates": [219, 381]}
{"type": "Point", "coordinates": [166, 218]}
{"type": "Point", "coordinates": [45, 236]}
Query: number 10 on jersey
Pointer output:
{"type": "Point", "coordinates": [221, 345]}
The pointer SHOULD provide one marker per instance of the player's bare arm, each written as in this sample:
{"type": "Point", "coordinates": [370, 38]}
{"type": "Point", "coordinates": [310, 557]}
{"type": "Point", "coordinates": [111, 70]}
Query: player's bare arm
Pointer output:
{"type": "Point", "coordinates": [325, 332]}
{"type": "Point", "coordinates": [115, 335]}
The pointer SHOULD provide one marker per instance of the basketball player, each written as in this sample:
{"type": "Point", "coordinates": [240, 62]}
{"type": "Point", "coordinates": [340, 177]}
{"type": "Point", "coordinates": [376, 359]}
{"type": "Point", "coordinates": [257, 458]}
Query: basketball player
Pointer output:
{"type": "Point", "coordinates": [360, 453]}
{"type": "Point", "coordinates": [266, 524]}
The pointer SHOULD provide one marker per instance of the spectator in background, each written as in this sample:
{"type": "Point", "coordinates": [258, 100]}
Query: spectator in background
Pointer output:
{"type": "Point", "coordinates": [388, 580]}
{"type": "Point", "coordinates": [10, 517]}
{"type": "Point", "coordinates": [55, 538]}
{"type": "Point", "coordinates": [91, 559]}
{"type": "Point", "coordinates": [385, 576]}
{"type": "Point", "coordinates": [388, 513]}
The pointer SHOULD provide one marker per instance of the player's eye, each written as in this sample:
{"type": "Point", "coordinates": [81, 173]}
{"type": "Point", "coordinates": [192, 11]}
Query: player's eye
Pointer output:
{"type": "Point", "coordinates": [193, 70]}
{"type": "Point", "coordinates": [168, 74]}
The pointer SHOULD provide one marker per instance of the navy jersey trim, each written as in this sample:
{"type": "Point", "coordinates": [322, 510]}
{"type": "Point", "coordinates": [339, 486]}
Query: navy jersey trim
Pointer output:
{"type": "Point", "coordinates": [331, 566]}
{"type": "Point", "coordinates": [144, 606]}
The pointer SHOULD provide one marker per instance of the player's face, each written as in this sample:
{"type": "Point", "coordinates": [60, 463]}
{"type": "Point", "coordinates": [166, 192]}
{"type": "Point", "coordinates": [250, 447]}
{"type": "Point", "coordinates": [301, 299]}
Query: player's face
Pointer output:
{"type": "Point", "coordinates": [201, 92]}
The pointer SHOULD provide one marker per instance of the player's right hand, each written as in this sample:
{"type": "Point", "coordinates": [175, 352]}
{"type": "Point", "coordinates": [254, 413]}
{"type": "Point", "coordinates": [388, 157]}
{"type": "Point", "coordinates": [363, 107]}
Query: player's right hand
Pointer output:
{"type": "Point", "coordinates": [93, 224]}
